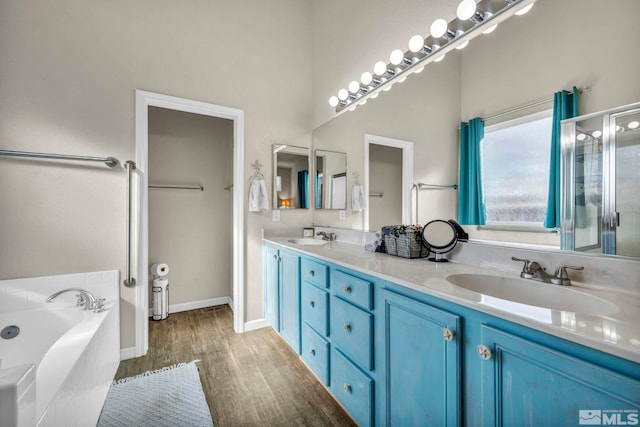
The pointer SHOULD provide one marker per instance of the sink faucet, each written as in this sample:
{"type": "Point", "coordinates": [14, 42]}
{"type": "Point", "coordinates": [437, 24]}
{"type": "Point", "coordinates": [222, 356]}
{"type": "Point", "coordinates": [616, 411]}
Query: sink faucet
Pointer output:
{"type": "Point", "coordinates": [533, 270]}
{"type": "Point", "coordinates": [85, 298]}
{"type": "Point", "coordinates": [327, 236]}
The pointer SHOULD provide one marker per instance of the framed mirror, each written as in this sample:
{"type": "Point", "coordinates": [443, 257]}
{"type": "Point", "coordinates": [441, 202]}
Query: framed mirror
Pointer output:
{"type": "Point", "coordinates": [330, 180]}
{"type": "Point", "coordinates": [290, 177]}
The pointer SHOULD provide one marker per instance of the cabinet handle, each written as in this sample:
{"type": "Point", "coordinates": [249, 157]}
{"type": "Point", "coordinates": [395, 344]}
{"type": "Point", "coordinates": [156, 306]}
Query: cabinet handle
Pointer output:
{"type": "Point", "coordinates": [275, 256]}
{"type": "Point", "coordinates": [346, 289]}
{"type": "Point", "coordinates": [311, 273]}
{"type": "Point", "coordinates": [346, 327]}
{"type": "Point", "coordinates": [346, 387]}
{"type": "Point", "coordinates": [484, 352]}
{"type": "Point", "coordinates": [313, 352]}
{"type": "Point", "coordinates": [447, 334]}
{"type": "Point", "coordinates": [311, 303]}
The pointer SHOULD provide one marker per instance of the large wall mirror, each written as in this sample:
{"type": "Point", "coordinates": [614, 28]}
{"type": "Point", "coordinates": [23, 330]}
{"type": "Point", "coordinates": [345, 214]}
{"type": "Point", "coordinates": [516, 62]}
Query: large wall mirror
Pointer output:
{"type": "Point", "coordinates": [519, 63]}
{"type": "Point", "coordinates": [290, 177]}
{"type": "Point", "coordinates": [331, 180]}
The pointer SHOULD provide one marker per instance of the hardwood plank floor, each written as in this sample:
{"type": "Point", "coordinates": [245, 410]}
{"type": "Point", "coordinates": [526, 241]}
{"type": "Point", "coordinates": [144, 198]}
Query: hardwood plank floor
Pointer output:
{"type": "Point", "coordinates": [249, 379]}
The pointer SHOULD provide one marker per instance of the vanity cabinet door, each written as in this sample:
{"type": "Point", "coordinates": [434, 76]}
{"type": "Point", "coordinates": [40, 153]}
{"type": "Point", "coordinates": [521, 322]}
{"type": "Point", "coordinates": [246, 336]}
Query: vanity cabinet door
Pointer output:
{"type": "Point", "coordinates": [421, 364]}
{"type": "Point", "coordinates": [290, 298]}
{"type": "Point", "coordinates": [271, 286]}
{"type": "Point", "coordinates": [527, 384]}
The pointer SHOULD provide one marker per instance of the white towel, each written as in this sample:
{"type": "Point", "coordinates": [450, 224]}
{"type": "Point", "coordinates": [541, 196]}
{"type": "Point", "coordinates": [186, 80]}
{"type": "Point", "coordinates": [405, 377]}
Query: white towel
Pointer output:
{"type": "Point", "coordinates": [258, 198]}
{"type": "Point", "coordinates": [358, 201]}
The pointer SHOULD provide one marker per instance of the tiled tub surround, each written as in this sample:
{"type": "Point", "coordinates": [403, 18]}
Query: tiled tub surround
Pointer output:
{"type": "Point", "coordinates": [57, 371]}
{"type": "Point", "coordinates": [613, 279]}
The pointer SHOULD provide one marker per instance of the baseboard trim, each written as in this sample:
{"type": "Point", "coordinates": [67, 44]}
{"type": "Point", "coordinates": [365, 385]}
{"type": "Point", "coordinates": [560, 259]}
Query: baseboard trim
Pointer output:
{"type": "Point", "coordinates": [256, 324]}
{"type": "Point", "coordinates": [127, 353]}
{"type": "Point", "coordinates": [194, 305]}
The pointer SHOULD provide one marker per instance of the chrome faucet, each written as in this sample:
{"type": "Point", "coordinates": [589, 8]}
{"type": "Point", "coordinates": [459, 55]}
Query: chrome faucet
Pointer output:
{"type": "Point", "coordinates": [534, 271]}
{"type": "Point", "coordinates": [85, 298]}
{"type": "Point", "coordinates": [327, 236]}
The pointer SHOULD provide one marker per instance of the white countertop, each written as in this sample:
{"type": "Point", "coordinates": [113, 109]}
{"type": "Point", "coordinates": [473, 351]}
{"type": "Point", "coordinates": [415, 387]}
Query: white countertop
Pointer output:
{"type": "Point", "coordinates": [617, 333]}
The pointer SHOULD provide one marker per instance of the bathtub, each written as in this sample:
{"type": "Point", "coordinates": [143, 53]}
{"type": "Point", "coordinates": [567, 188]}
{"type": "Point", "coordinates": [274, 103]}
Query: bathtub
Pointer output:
{"type": "Point", "coordinates": [57, 370]}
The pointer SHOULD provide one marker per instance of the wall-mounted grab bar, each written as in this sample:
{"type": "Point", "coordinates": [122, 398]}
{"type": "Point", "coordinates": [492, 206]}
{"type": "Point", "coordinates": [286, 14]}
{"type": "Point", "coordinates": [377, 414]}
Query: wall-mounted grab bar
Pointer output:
{"type": "Point", "coordinates": [130, 166]}
{"type": "Point", "coordinates": [112, 162]}
{"type": "Point", "coordinates": [178, 187]}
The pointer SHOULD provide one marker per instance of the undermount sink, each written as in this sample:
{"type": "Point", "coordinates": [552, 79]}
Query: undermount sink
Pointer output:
{"type": "Point", "coordinates": [533, 293]}
{"type": "Point", "coordinates": [308, 242]}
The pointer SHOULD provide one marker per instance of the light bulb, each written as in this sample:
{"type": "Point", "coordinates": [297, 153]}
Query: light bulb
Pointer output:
{"type": "Point", "coordinates": [438, 28]}
{"type": "Point", "coordinates": [490, 29]}
{"type": "Point", "coordinates": [596, 134]}
{"type": "Point", "coordinates": [619, 128]}
{"type": "Point", "coordinates": [581, 137]}
{"type": "Point", "coordinates": [380, 68]}
{"type": "Point", "coordinates": [419, 70]}
{"type": "Point", "coordinates": [462, 45]}
{"type": "Point", "coordinates": [364, 101]}
{"type": "Point", "coordinates": [396, 57]}
{"type": "Point", "coordinates": [366, 78]}
{"type": "Point", "coordinates": [353, 108]}
{"type": "Point", "coordinates": [402, 79]}
{"type": "Point", "coordinates": [343, 94]}
{"type": "Point", "coordinates": [439, 58]}
{"type": "Point", "coordinates": [388, 88]}
{"type": "Point", "coordinates": [466, 9]}
{"type": "Point", "coordinates": [633, 125]}
{"type": "Point", "coordinates": [333, 101]}
{"type": "Point", "coordinates": [416, 43]}
{"type": "Point", "coordinates": [354, 87]}
{"type": "Point", "coordinates": [524, 10]}
{"type": "Point", "coordinates": [375, 95]}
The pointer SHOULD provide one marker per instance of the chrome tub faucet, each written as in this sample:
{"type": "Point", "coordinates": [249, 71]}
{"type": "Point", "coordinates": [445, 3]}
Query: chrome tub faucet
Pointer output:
{"type": "Point", "coordinates": [85, 298]}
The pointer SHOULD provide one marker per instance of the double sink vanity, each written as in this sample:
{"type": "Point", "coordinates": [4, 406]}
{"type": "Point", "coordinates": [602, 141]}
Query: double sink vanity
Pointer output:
{"type": "Point", "coordinates": [412, 342]}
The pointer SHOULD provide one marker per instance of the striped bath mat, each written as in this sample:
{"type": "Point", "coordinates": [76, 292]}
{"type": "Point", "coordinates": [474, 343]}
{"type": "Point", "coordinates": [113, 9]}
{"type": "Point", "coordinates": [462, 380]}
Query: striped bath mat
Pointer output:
{"type": "Point", "coordinates": [170, 396]}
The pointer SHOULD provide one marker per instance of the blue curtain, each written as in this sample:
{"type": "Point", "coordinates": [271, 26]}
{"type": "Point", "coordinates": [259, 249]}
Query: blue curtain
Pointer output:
{"type": "Point", "coordinates": [471, 208]}
{"type": "Point", "coordinates": [303, 187]}
{"type": "Point", "coordinates": [565, 106]}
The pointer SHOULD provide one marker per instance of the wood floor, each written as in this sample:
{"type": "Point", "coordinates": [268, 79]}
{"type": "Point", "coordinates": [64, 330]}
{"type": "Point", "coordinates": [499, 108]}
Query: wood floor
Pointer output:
{"type": "Point", "coordinates": [250, 379]}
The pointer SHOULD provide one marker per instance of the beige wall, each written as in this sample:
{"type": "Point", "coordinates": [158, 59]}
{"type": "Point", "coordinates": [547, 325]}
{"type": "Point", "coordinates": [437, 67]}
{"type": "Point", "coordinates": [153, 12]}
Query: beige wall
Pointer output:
{"type": "Point", "coordinates": [385, 177]}
{"type": "Point", "coordinates": [188, 229]}
{"type": "Point", "coordinates": [69, 71]}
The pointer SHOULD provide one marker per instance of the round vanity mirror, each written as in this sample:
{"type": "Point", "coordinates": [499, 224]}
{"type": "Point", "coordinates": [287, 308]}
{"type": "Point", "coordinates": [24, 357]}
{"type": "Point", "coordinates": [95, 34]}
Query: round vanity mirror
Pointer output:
{"type": "Point", "coordinates": [439, 237]}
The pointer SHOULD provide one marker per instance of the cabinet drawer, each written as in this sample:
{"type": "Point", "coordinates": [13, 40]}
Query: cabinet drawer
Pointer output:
{"type": "Point", "coordinates": [353, 289]}
{"type": "Point", "coordinates": [315, 304]}
{"type": "Point", "coordinates": [352, 331]}
{"type": "Point", "coordinates": [315, 353]}
{"type": "Point", "coordinates": [353, 388]}
{"type": "Point", "coordinates": [314, 272]}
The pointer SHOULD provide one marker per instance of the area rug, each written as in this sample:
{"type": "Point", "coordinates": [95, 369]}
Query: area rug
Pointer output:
{"type": "Point", "coordinates": [171, 396]}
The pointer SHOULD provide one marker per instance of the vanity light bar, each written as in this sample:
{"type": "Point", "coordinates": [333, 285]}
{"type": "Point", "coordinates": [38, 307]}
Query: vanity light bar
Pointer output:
{"type": "Point", "coordinates": [457, 34]}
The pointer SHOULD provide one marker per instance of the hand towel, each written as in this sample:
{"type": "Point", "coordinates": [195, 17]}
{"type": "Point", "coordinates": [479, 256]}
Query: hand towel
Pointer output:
{"type": "Point", "coordinates": [358, 200]}
{"type": "Point", "coordinates": [258, 198]}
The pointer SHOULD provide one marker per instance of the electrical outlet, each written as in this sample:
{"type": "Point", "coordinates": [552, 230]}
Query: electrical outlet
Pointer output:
{"type": "Point", "coordinates": [343, 215]}
{"type": "Point", "coordinates": [276, 215]}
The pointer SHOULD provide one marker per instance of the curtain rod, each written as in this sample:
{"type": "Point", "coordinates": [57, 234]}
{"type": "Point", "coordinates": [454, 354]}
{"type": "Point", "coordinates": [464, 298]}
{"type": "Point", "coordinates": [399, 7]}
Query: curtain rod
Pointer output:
{"type": "Point", "coordinates": [112, 162]}
{"type": "Point", "coordinates": [530, 105]}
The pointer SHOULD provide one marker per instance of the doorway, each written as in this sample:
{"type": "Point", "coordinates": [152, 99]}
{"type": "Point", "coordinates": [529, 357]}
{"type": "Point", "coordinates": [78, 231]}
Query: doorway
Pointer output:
{"type": "Point", "coordinates": [144, 101]}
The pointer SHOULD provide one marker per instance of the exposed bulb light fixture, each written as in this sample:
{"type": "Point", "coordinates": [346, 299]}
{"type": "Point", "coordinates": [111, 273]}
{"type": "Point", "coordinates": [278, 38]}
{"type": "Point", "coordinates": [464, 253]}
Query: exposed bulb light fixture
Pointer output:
{"type": "Point", "coordinates": [438, 28]}
{"type": "Point", "coordinates": [333, 101]}
{"type": "Point", "coordinates": [380, 68]}
{"type": "Point", "coordinates": [633, 125]}
{"type": "Point", "coordinates": [343, 94]}
{"type": "Point", "coordinates": [354, 87]}
{"type": "Point", "coordinates": [416, 43]}
{"type": "Point", "coordinates": [581, 137]}
{"type": "Point", "coordinates": [466, 9]}
{"type": "Point", "coordinates": [396, 57]}
{"type": "Point", "coordinates": [366, 78]}
{"type": "Point", "coordinates": [524, 10]}
{"type": "Point", "coordinates": [596, 134]}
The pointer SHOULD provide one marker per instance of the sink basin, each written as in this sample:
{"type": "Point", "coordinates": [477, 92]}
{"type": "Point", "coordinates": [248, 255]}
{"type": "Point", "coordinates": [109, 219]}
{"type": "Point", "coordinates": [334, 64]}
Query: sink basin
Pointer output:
{"type": "Point", "coordinates": [308, 242]}
{"type": "Point", "coordinates": [533, 293]}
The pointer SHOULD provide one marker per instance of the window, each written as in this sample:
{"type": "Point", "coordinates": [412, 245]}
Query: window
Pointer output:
{"type": "Point", "coordinates": [515, 169]}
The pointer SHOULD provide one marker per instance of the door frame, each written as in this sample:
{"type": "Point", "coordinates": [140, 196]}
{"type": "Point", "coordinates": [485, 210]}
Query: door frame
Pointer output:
{"type": "Point", "coordinates": [407, 172]}
{"type": "Point", "coordinates": [144, 100]}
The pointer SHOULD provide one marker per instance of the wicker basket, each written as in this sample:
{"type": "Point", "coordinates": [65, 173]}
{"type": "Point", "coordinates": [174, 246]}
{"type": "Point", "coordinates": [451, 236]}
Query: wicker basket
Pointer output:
{"type": "Point", "coordinates": [403, 242]}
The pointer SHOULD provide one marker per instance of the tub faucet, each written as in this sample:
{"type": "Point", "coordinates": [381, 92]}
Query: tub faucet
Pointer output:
{"type": "Point", "coordinates": [85, 298]}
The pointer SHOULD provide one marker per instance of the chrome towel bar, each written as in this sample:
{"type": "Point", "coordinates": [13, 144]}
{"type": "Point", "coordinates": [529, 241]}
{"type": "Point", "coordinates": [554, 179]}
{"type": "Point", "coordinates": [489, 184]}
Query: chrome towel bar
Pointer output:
{"type": "Point", "coordinates": [112, 162]}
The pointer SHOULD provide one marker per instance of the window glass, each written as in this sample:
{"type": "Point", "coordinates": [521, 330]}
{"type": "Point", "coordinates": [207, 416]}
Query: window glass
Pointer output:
{"type": "Point", "coordinates": [515, 168]}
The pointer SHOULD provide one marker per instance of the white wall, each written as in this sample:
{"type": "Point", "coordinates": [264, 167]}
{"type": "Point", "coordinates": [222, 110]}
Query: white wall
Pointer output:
{"type": "Point", "coordinates": [69, 71]}
{"type": "Point", "coordinates": [190, 229]}
{"type": "Point", "coordinates": [385, 177]}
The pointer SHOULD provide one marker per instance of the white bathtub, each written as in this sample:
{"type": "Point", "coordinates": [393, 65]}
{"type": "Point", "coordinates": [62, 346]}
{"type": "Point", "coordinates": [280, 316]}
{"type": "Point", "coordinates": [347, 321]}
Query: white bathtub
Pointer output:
{"type": "Point", "coordinates": [75, 352]}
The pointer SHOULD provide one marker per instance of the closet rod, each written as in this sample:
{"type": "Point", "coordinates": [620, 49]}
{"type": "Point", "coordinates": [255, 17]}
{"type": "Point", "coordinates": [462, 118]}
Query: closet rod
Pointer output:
{"type": "Point", "coordinates": [177, 187]}
{"type": "Point", "coordinates": [112, 162]}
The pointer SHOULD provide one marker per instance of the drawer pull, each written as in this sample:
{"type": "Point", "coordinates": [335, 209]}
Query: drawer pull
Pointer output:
{"type": "Point", "coordinates": [484, 352]}
{"type": "Point", "coordinates": [447, 334]}
{"type": "Point", "coordinates": [311, 273]}
{"type": "Point", "coordinates": [346, 289]}
{"type": "Point", "coordinates": [312, 352]}
{"type": "Point", "coordinates": [347, 388]}
{"type": "Point", "coordinates": [346, 327]}
{"type": "Point", "coordinates": [311, 303]}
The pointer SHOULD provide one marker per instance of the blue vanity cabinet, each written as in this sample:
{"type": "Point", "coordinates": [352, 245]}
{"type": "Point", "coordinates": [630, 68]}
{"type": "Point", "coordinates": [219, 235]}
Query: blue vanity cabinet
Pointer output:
{"type": "Point", "coordinates": [290, 298]}
{"type": "Point", "coordinates": [272, 286]}
{"type": "Point", "coordinates": [420, 348]}
{"type": "Point", "coordinates": [525, 383]}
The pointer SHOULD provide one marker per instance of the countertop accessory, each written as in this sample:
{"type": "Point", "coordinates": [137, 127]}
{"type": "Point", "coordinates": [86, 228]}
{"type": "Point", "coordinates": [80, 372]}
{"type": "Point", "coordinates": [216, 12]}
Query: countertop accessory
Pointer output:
{"type": "Point", "coordinates": [440, 237]}
{"type": "Point", "coordinates": [308, 231]}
